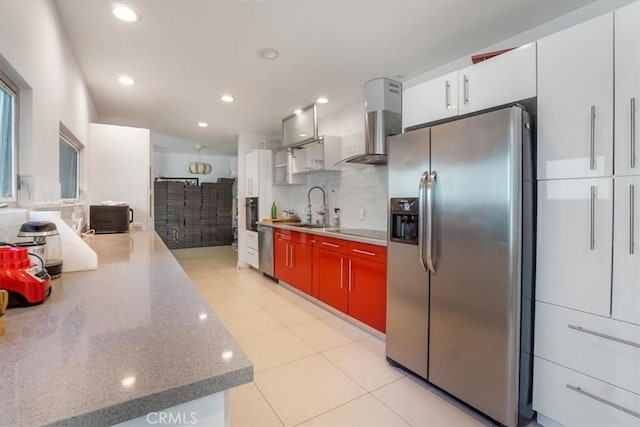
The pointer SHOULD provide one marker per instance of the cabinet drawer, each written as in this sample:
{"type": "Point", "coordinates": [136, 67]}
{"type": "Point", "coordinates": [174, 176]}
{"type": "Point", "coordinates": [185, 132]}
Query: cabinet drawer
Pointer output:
{"type": "Point", "coordinates": [373, 253]}
{"type": "Point", "coordinates": [252, 240]}
{"type": "Point", "coordinates": [574, 399]}
{"type": "Point", "coordinates": [252, 258]}
{"type": "Point", "coordinates": [600, 347]}
{"type": "Point", "coordinates": [332, 244]}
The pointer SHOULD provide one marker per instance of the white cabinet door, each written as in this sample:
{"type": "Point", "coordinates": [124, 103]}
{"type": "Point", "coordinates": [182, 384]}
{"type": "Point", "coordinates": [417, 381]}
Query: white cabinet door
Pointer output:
{"type": "Point", "coordinates": [626, 250]}
{"type": "Point", "coordinates": [574, 244]}
{"type": "Point", "coordinates": [429, 101]}
{"type": "Point", "coordinates": [500, 80]}
{"type": "Point", "coordinates": [252, 174]}
{"type": "Point", "coordinates": [627, 83]}
{"type": "Point", "coordinates": [575, 101]}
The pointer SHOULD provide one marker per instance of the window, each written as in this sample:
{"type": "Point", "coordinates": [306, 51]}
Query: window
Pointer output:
{"type": "Point", "coordinates": [69, 164]}
{"type": "Point", "coordinates": [8, 130]}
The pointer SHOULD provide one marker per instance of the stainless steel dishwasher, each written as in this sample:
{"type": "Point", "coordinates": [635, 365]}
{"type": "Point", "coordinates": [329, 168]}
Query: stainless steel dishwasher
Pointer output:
{"type": "Point", "coordinates": [265, 249]}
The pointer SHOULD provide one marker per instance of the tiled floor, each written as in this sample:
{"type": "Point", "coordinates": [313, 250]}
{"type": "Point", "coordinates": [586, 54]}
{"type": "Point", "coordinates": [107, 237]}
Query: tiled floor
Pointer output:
{"type": "Point", "coordinates": [312, 368]}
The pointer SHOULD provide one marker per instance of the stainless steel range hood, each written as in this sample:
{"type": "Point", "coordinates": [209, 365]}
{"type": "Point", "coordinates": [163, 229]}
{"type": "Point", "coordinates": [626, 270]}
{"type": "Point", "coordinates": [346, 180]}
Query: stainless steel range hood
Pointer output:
{"type": "Point", "coordinates": [383, 104]}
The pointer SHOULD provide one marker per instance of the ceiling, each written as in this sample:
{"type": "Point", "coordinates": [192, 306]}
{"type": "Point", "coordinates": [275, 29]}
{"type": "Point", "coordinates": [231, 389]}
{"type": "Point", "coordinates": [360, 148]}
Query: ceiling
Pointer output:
{"type": "Point", "coordinates": [184, 54]}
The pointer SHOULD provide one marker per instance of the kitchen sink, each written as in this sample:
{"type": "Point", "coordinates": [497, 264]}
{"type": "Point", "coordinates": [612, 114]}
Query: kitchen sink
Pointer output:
{"type": "Point", "coordinates": [301, 225]}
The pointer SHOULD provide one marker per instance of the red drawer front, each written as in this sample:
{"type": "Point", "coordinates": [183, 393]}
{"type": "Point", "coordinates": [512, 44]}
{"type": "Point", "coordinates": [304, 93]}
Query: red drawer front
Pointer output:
{"type": "Point", "coordinates": [373, 253]}
{"type": "Point", "coordinates": [332, 244]}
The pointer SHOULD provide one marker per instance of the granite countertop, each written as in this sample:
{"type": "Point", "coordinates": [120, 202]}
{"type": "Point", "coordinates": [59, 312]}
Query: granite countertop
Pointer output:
{"type": "Point", "coordinates": [373, 237]}
{"type": "Point", "coordinates": [116, 343]}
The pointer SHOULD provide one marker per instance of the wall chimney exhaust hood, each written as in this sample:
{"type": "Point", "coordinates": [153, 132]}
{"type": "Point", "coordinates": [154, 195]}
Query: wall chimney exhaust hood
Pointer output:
{"type": "Point", "coordinates": [383, 106]}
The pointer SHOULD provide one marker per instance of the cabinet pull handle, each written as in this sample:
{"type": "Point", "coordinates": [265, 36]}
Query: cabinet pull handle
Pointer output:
{"type": "Point", "coordinates": [341, 273]}
{"type": "Point", "coordinates": [286, 254]}
{"type": "Point", "coordinates": [592, 152]}
{"type": "Point", "coordinates": [466, 89]}
{"type": "Point", "coordinates": [349, 275]}
{"type": "Point", "coordinates": [330, 244]}
{"type": "Point", "coordinates": [593, 219]}
{"type": "Point", "coordinates": [605, 336]}
{"type": "Point", "coordinates": [632, 214]}
{"type": "Point", "coordinates": [358, 251]}
{"type": "Point", "coordinates": [447, 94]}
{"type": "Point", "coordinates": [291, 255]}
{"type": "Point", "coordinates": [601, 400]}
{"type": "Point", "coordinates": [633, 132]}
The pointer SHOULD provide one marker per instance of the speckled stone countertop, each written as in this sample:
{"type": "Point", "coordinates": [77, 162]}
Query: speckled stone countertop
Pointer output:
{"type": "Point", "coordinates": [116, 343]}
{"type": "Point", "coordinates": [352, 234]}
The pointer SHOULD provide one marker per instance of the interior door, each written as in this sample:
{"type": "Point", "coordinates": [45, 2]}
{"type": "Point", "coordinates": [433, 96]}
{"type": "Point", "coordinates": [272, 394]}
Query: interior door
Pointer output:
{"type": "Point", "coordinates": [473, 338]}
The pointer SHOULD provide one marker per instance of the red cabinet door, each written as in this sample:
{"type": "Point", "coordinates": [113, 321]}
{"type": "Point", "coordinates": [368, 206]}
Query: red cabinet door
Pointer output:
{"type": "Point", "coordinates": [301, 266]}
{"type": "Point", "coordinates": [331, 278]}
{"type": "Point", "coordinates": [367, 284]}
{"type": "Point", "coordinates": [281, 256]}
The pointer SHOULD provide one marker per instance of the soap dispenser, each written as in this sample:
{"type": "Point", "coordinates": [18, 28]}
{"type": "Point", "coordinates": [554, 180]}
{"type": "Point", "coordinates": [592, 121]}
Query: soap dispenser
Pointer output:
{"type": "Point", "coordinates": [336, 217]}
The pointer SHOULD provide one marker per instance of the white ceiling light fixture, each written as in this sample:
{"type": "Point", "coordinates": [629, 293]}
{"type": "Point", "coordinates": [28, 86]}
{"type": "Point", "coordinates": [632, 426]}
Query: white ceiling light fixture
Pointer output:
{"type": "Point", "coordinates": [322, 100]}
{"type": "Point", "coordinates": [203, 124]}
{"type": "Point", "coordinates": [227, 98]}
{"type": "Point", "coordinates": [297, 112]}
{"type": "Point", "coordinates": [125, 13]}
{"type": "Point", "coordinates": [199, 167]}
{"type": "Point", "coordinates": [126, 81]}
{"type": "Point", "coordinates": [268, 53]}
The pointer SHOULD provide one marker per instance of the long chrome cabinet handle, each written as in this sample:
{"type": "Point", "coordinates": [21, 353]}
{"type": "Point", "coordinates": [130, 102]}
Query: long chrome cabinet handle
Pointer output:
{"type": "Point", "coordinates": [421, 189]}
{"type": "Point", "coordinates": [286, 254]}
{"type": "Point", "coordinates": [358, 251]}
{"type": "Point", "coordinates": [592, 238]}
{"type": "Point", "coordinates": [430, 205]}
{"type": "Point", "coordinates": [632, 219]}
{"type": "Point", "coordinates": [592, 148]}
{"type": "Point", "coordinates": [291, 255]}
{"type": "Point", "coordinates": [341, 273]}
{"type": "Point", "coordinates": [349, 275]}
{"type": "Point", "coordinates": [465, 89]}
{"type": "Point", "coordinates": [330, 244]}
{"type": "Point", "coordinates": [447, 94]}
{"type": "Point", "coordinates": [601, 400]}
{"type": "Point", "coordinates": [633, 132]}
{"type": "Point", "coordinates": [605, 336]}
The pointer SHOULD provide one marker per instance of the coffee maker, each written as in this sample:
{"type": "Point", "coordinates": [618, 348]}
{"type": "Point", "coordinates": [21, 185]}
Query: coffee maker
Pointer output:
{"type": "Point", "coordinates": [404, 220]}
{"type": "Point", "coordinates": [45, 244]}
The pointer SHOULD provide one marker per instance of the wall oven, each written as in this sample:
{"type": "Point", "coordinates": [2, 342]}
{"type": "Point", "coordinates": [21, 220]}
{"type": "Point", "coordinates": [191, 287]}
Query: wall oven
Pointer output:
{"type": "Point", "coordinates": [251, 212]}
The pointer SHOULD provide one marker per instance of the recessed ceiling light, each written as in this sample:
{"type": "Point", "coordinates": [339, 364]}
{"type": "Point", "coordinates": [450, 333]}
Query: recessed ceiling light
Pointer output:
{"type": "Point", "coordinates": [125, 13]}
{"type": "Point", "coordinates": [322, 100]}
{"type": "Point", "coordinates": [297, 112]}
{"type": "Point", "coordinates": [203, 124]}
{"type": "Point", "coordinates": [227, 98]}
{"type": "Point", "coordinates": [267, 53]}
{"type": "Point", "coordinates": [126, 80]}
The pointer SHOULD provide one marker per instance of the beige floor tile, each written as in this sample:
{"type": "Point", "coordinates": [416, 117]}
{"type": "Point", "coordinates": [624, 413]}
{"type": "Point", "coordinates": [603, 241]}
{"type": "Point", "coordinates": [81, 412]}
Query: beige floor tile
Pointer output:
{"type": "Point", "coordinates": [313, 309]}
{"type": "Point", "coordinates": [250, 323]}
{"type": "Point", "coordinates": [274, 348]}
{"type": "Point", "coordinates": [269, 298]}
{"type": "Point", "coordinates": [229, 306]}
{"type": "Point", "coordinates": [365, 362]}
{"type": "Point", "coordinates": [416, 403]}
{"type": "Point", "coordinates": [219, 291]}
{"type": "Point", "coordinates": [328, 333]}
{"type": "Point", "coordinates": [247, 407]}
{"type": "Point", "coordinates": [364, 411]}
{"type": "Point", "coordinates": [291, 314]}
{"type": "Point", "coordinates": [306, 388]}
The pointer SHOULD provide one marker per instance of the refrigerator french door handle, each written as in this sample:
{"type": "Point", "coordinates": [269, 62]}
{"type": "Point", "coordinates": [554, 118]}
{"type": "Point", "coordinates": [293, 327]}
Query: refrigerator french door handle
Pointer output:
{"type": "Point", "coordinates": [421, 236]}
{"type": "Point", "coordinates": [431, 182]}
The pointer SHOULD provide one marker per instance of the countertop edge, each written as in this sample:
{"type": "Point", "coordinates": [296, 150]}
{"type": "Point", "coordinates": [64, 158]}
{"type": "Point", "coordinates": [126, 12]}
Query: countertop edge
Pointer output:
{"type": "Point", "coordinates": [156, 402]}
{"type": "Point", "coordinates": [326, 232]}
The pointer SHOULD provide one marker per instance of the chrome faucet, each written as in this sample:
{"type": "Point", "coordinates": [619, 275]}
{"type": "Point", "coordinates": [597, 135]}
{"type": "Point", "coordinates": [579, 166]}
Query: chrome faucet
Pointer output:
{"type": "Point", "coordinates": [323, 212]}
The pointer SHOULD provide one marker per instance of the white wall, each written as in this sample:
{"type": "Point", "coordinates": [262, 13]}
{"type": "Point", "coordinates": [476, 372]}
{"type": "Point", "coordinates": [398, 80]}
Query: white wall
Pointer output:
{"type": "Point", "coordinates": [35, 53]}
{"type": "Point", "coordinates": [177, 165]}
{"type": "Point", "coordinates": [120, 159]}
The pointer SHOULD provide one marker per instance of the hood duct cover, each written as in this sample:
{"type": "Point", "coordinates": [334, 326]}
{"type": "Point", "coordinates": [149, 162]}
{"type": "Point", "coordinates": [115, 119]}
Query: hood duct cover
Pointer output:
{"type": "Point", "coordinates": [383, 103]}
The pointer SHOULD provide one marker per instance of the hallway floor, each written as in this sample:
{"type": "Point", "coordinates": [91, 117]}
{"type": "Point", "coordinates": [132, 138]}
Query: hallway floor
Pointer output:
{"type": "Point", "coordinates": [312, 368]}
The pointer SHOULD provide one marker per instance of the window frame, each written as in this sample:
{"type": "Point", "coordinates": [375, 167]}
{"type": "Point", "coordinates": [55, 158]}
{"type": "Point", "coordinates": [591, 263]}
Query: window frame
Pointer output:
{"type": "Point", "coordinates": [7, 84]}
{"type": "Point", "coordinates": [67, 137]}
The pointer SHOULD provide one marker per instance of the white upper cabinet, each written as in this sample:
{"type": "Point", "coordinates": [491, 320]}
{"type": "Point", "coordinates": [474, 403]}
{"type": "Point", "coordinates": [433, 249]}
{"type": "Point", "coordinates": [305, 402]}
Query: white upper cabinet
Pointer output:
{"type": "Point", "coordinates": [430, 101]}
{"type": "Point", "coordinates": [626, 251]}
{"type": "Point", "coordinates": [505, 78]}
{"type": "Point", "coordinates": [252, 174]}
{"type": "Point", "coordinates": [573, 266]}
{"type": "Point", "coordinates": [627, 92]}
{"type": "Point", "coordinates": [575, 101]}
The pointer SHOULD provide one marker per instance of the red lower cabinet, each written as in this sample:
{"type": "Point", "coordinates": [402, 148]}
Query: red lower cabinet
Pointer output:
{"type": "Point", "coordinates": [293, 259]}
{"type": "Point", "coordinates": [368, 292]}
{"type": "Point", "coordinates": [281, 268]}
{"type": "Point", "coordinates": [301, 266]}
{"type": "Point", "coordinates": [330, 277]}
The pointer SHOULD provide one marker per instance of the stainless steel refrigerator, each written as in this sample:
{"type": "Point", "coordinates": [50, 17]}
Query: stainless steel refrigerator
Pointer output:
{"type": "Point", "coordinates": [460, 259]}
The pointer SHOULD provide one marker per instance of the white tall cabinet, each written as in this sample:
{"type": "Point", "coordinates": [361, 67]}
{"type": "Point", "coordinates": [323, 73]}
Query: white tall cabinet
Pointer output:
{"type": "Point", "coordinates": [587, 339]}
{"type": "Point", "coordinates": [258, 183]}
